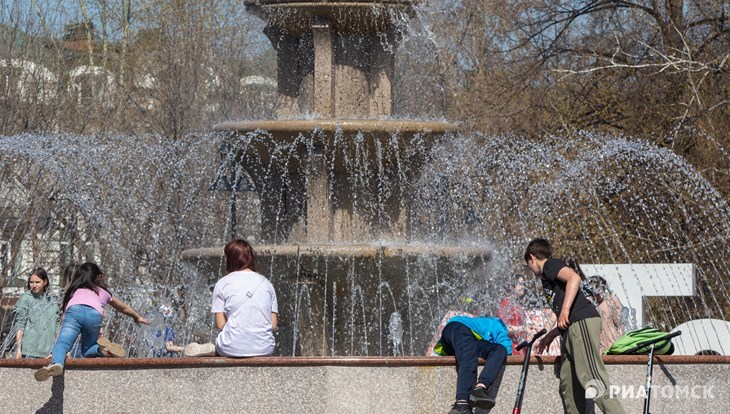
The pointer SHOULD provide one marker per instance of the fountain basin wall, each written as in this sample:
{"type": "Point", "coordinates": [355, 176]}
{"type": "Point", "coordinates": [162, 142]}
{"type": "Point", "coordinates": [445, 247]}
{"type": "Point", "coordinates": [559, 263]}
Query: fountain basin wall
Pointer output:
{"type": "Point", "coordinates": [338, 299]}
{"type": "Point", "coordinates": [336, 385]}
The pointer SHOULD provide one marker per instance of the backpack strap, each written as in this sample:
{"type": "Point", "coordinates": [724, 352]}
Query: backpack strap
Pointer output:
{"type": "Point", "coordinates": [249, 294]}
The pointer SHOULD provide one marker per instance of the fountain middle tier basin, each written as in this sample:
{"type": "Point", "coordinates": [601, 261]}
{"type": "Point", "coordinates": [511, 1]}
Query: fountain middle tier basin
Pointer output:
{"type": "Point", "coordinates": [352, 251]}
{"type": "Point", "coordinates": [284, 127]}
{"type": "Point", "coordinates": [402, 141]}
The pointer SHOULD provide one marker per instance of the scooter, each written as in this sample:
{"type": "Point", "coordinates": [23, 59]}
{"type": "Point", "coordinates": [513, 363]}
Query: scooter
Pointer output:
{"type": "Point", "coordinates": [525, 368]}
{"type": "Point", "coordinates": [650, 363]}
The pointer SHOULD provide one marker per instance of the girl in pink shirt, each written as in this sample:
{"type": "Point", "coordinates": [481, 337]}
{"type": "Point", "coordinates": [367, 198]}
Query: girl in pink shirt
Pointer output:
{"type": "Point", "coordinates": [83, 306]}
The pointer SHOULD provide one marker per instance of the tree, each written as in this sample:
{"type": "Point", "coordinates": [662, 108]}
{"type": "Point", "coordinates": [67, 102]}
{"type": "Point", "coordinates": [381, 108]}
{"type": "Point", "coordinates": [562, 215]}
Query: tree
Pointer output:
{"type": "Point", "coordinates": [655, 69]}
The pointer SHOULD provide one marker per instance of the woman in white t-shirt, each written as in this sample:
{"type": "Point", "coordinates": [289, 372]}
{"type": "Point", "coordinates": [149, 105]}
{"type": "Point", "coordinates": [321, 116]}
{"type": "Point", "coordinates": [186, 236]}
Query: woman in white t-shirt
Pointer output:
{"type": "Point", "coordinates": [244, 306]}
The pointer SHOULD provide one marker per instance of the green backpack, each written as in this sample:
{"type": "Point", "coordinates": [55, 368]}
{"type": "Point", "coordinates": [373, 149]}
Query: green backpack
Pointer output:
{"type": "Point", "coordinates": [630, 341]}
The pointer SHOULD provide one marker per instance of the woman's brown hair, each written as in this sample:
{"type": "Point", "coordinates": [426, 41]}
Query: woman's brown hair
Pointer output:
{"type": "Point", "coordinates": [239, 256]}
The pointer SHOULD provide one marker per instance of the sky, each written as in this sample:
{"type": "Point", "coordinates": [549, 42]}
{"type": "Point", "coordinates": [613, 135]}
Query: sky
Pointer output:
{"type": "Point", "coordinates": [48, 18]}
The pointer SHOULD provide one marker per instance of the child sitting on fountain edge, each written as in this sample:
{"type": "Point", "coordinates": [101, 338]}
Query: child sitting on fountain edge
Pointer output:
{"type": "Point", "coordinates": [245, 308]}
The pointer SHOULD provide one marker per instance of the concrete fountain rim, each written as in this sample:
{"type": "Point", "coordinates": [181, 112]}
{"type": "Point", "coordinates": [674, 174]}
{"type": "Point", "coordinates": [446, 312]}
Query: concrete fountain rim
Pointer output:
{"type": "Point", "coordinates": [345, 361]}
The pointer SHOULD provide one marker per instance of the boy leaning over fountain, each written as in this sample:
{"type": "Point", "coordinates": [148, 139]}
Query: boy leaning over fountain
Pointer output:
{"type": "Point", "coordinates": [582, 374]}
{"type": "Point", "coordinates": [469, 338]}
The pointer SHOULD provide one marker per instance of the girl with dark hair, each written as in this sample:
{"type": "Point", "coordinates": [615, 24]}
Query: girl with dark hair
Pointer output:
{"type": "Point", "coordinates": [245, 308]}
{"type": "Point", "coordinates": [83, 305]}
{"type": "Point", "coordinates": [36, 316]}
{"type": "Point", "coordinates": [609, 307]}
{"type": "Point", "coordinates": [69, 274]}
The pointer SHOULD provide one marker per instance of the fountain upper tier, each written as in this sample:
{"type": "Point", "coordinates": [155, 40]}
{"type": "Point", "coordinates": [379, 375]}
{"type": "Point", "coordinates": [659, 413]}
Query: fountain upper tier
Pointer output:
{"type": "Point", "coordinates": [364, 16]}
{"type": "Point", "coordinates": [334, 166]}
{"type": "Point", "coordinates": [335, 59]}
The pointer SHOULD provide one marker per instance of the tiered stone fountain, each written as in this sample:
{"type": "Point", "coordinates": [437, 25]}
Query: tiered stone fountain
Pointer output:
{"type": "Point", "coordinates": [334, 176]}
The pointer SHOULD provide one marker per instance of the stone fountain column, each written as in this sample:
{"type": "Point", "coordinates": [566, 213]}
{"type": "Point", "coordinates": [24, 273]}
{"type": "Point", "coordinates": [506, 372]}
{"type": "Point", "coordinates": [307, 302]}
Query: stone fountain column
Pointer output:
{"type": "Point", "coordinates": [335, 62]}
{"type": "Point", "coordinates": [324, 80]}
{"type": "Point", "coordinates": [319, 213]}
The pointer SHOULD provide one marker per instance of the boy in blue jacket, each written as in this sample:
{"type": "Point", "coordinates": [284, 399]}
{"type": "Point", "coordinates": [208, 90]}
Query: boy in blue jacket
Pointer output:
{"type": "Point", "coordinates": [469, 338]}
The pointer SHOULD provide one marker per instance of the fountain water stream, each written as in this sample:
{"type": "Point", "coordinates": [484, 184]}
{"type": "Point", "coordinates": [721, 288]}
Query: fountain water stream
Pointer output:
{"type": "Point", "coordinates": [86, 206]}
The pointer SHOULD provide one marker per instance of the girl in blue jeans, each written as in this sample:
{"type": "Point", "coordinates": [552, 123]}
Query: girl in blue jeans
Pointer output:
{"type": "Point", "coordinates": [83, 304]}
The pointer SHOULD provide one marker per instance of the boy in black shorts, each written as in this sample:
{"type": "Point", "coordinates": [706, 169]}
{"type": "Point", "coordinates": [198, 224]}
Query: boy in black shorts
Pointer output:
{"type": "Point", "coordinates": [582, 373]}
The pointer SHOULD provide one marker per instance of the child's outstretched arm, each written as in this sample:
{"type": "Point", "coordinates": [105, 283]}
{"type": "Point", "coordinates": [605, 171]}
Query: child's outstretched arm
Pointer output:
{"type": "Point", "coordinates": [127, 310]}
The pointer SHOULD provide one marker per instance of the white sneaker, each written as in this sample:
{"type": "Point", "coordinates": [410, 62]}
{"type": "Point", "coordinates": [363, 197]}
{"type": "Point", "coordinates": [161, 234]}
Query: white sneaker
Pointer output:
{"type": "Point", "coordinates": [195, 349]}
{"type": "Point", "coordinates": [52, 370]}
{"type": "Point", "coordinates": [109, 349]}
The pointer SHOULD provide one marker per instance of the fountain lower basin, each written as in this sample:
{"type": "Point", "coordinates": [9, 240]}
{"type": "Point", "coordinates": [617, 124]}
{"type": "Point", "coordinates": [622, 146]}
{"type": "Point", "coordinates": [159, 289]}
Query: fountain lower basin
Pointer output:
{"type": "Point", "coordinates": [329, 292]}
{"type": "Point", "coordinates": [336, 385]}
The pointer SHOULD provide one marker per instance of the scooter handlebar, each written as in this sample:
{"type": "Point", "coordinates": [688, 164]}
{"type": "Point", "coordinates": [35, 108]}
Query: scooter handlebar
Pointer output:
{"type": "Point", "coordinates": [539, 334]}
{"type": "Point", "coordinates": [653, 341]}
{"type": "Point", "coordinates": [534, 338]}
